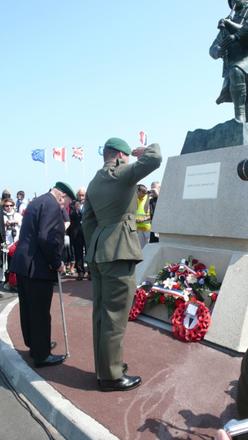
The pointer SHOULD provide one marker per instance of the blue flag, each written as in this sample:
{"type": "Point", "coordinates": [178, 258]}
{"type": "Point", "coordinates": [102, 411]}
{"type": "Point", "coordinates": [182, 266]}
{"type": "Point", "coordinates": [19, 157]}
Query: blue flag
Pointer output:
{"type": "Point", "coordinates": [38, 154]}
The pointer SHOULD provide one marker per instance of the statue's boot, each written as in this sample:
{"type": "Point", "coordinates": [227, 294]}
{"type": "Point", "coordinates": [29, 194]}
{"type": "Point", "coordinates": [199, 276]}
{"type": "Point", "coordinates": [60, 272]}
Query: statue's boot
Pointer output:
{"type": "Point", "coordinates": [238, 94]}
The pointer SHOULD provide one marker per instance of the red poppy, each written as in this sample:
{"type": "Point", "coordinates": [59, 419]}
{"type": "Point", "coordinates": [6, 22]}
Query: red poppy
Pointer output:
{"type": "Point", "coordinates": [214, 296]}
{"type": "Point", "coordinates": [173, 267]}
{"type": "Point", "coordinates": [179, 301]}
{"type": "Point", "coordinates": [199, 266]}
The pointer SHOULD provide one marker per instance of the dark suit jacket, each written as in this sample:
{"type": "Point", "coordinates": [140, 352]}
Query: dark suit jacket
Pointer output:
{"type": "Point", "coordinates": [75, 229]}
{"type": "Point", "coordinates": [39, 251]}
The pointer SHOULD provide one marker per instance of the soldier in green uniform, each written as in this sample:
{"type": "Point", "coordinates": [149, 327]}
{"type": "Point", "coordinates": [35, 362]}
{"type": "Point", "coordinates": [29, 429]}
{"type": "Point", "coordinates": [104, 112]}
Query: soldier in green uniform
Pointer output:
{"type": "Point", "coordinates": [113, 250]}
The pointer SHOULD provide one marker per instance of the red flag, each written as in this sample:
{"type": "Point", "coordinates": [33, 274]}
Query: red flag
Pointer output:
{"type": "Point", "coordinates": [59, 154]}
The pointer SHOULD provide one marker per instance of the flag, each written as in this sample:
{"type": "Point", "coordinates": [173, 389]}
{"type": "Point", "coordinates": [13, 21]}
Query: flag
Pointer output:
{"type": "Point", "coordinates": [143, 138]}
{"type": "Point", "coordinates": [38, 155]}
{"type": "Point", "coordinates": [59, 154]}
{"type": "Point", "coordinates": [77, 153]}
{"type": "Point", "coordinates": [100, 151]}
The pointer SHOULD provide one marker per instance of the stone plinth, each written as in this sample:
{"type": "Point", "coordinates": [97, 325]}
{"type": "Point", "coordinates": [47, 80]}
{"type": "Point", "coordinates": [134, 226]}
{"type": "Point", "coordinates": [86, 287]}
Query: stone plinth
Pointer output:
{"type": "Point", "coordinates": [227, 134]}
{"type": "Point", "coordinates": [202, 211]}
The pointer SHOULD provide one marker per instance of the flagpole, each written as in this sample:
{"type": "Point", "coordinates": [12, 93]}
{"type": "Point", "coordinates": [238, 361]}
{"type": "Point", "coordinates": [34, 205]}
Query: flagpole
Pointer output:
{"type": "Point", "coordinates": [66, 166]}
{"type": "Point", "coordinates": [46, 170]}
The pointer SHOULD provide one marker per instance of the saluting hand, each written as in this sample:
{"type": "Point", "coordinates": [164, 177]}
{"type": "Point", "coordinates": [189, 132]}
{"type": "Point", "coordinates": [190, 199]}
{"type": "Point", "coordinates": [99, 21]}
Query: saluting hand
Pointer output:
{"type": "Point", "coordinates": [138, 152]}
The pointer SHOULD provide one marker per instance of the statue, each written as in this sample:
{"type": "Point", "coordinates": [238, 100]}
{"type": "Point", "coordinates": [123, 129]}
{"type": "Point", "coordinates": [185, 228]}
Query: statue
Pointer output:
{"type": "Point", "coordinates": [231, 44]}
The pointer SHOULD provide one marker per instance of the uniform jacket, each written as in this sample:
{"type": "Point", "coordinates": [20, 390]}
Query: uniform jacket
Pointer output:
{"type": "Point", "coordinates": [41, 240]}
{"type": "Point", "coordinates": [109, 210]}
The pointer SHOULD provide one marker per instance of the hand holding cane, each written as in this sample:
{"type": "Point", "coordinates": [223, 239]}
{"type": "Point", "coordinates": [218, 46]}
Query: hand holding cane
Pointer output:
{"type": "Point", "coordinates": [63, 315]}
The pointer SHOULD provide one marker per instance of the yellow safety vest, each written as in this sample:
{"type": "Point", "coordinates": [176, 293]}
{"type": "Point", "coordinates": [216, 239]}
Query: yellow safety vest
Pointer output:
{"type": "Point", "coordinates": [142, 212]}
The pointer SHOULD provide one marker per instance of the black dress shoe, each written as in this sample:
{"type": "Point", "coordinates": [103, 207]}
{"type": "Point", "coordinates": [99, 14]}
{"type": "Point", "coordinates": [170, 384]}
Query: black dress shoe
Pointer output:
{"type": "Point", "coordinates": [124, 370]}
{"type": "Point", "coordinates": [125, 383]}
{"type": "Point", "coordinates": [52, 359]}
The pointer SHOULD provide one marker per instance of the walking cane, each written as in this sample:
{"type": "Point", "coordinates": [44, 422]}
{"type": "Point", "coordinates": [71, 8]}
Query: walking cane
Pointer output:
{"type": "Point", "coordinates": [63, 315]}
{"type": "Point", "coordinates": [4, 250]}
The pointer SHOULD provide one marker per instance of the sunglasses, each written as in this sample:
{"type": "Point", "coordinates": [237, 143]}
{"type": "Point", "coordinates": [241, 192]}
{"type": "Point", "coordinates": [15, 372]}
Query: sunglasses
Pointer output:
{"type": "Point", "coordinates": [8, 206]}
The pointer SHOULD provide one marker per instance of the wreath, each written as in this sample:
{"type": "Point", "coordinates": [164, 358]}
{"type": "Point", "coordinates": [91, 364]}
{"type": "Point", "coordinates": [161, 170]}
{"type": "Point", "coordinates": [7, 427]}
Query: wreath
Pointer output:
{"type": "Point", "coordinates": [178, 286]}
{"type": "Point", "coordinates": [191, 327]}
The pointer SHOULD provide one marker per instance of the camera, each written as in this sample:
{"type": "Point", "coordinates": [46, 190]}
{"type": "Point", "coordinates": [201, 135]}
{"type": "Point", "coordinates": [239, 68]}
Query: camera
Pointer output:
{"type": "Point", "coordinates": [13, 231]}
{"type": "Point", "coordinates": [236, 427]}
{"type": "Point", "coordinates": [242, 169]}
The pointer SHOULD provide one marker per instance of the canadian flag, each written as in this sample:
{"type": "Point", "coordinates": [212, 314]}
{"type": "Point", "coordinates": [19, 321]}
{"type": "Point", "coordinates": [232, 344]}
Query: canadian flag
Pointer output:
{"type": "Point", "coordinates": [59, 154]}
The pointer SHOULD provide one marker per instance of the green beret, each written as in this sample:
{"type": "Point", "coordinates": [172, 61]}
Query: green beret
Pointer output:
{"type": "Point", "coordinates": [65, 188]}
{"type": "Point", "coordinates": [119, 145]}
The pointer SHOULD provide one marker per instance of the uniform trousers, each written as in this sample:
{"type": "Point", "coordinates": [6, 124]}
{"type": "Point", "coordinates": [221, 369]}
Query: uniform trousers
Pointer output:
{"type": "Point", "coordinates": [35, 297]}
{"type": "Point", "coordinates": [113, 292]}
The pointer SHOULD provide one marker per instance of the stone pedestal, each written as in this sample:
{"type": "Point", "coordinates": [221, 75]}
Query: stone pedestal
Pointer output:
{"type": "Point", "coordinates": [202, 211]}
{"type": "Point", "coordinates": [227, 134]}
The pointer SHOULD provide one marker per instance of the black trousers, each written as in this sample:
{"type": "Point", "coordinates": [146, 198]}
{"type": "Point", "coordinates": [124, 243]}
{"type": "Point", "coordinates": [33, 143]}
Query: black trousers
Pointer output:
{"type": "Point", "coordinates": [79, 245]}
{"type": "Point", "coordinates": [35, 298]}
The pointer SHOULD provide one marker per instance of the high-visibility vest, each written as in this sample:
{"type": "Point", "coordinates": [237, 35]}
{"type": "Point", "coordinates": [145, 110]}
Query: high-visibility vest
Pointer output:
{"type": "Point", "coordinates": [142, 212]}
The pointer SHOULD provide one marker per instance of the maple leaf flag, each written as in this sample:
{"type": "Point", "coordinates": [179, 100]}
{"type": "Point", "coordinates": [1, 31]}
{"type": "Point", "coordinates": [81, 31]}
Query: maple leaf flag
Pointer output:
{"type": "Point", "coordinates": [77, 153]}
{"type": "Point", "coordinates": [59, 154]}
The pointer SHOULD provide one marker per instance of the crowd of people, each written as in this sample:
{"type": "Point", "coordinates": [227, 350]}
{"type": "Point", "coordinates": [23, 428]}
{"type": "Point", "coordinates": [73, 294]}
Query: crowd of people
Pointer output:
{"type": "Point", "coordinates": [11, 215]}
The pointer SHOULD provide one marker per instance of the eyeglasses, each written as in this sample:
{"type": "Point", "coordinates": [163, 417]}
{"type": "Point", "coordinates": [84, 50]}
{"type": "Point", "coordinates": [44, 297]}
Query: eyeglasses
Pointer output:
{"type": "Point", "coordinates": [8, 206]}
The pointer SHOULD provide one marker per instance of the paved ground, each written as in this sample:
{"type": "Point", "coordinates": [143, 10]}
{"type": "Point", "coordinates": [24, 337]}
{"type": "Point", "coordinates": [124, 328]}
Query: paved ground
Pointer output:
{"type": "Point", "coordinates": [19, 419]}
{"type": "Point", "coordinates": [188, 389]}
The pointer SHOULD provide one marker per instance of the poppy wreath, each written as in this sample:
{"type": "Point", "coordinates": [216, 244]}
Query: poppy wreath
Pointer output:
{"type": "Point", "coordinates": [182, 331]}
{"type": "Point", "coordinates": [140, 299]}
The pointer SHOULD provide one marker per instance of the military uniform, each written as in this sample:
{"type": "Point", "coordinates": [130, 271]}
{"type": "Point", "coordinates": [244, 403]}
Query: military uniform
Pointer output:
{"type": "Point", "coordinates": [113, 250]}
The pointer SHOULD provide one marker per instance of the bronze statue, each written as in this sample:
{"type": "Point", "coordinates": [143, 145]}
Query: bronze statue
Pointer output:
{"type": "Point", "coordinates": [231, 44]}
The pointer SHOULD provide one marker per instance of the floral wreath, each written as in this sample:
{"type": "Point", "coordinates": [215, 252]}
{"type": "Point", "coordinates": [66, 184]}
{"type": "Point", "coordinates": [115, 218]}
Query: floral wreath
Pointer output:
{"type": "Point", "coordinates": [189, 290]}
{"type": "Point", "coordinates": [188, 327]}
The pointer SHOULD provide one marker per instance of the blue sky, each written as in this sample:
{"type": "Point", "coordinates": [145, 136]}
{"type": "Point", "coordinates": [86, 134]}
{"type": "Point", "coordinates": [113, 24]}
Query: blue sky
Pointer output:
{"type": "Point", "coordinates": [74, 73]}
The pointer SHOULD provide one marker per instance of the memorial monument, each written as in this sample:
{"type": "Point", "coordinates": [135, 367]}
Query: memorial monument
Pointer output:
{"type": "Point", "coordinates": [203, 203]}
{"type": "Point", "coordinates": [230, 45]}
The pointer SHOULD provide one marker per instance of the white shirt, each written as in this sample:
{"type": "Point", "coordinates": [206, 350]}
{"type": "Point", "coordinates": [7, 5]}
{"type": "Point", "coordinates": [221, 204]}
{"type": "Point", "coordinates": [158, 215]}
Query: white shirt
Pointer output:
{"type": "Point", "coordinates": [12, 216]}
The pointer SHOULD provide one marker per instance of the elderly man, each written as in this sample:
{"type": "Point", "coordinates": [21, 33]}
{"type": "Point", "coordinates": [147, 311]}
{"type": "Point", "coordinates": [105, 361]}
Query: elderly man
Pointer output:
{"type": "Point", "coordinates": [231, 44]}
{"type": "Point", "coordinates": [36, 262]}
{"type": "Point", "coordinates": [113, 250]}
